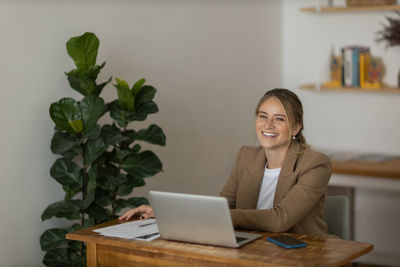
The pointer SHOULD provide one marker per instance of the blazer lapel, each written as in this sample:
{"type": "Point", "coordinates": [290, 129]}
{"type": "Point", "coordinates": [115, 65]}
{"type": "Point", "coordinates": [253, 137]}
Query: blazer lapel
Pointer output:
{"type": "Point", "coordinates": [252, 178]}
{"type": "Point", "coordinates": [286, 176]}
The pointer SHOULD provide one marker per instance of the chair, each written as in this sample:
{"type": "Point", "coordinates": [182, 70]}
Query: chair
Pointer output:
{"type": "Point", "coordinates": [337, 216]}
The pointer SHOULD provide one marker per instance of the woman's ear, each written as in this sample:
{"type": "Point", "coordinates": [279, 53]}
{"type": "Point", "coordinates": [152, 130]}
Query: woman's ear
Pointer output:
{"type": "Point", "coordinates": [296, 129]}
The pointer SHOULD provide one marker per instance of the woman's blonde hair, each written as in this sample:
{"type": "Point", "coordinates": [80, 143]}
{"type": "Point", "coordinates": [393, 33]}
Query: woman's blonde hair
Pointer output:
{"type": "Point", "coordinates": [293, 107]}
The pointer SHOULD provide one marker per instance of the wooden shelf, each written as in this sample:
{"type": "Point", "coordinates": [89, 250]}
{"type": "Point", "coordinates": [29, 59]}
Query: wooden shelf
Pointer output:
{"type": "Point", "coordinates": [328, 9]}
{"type": "Point", "coordinates": [313, 87]}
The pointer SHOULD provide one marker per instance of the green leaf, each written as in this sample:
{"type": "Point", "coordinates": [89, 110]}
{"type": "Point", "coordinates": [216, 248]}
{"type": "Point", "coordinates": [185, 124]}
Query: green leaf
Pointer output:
{"type": "Point", "coordinates": [61, 209]}
{"type": "Point", "coordinates": [123, 153]}
{"type": "Point", "coordinates": [153, 135]}
{"type": "Point", "coordinates": [65, 111]}
{"type": "Point", "coordinates": [92, 181]}
{"type": "Point", "coordinates": [99, 88]}
{"type": "Point", "coordinates": [79, 82]}
{"type": "Point", "coordinates": [112, 135]}
{"type": "Point", "coordinates": [143, 110]}
{"type": "Point", "coordinates": [136, 148]}
{"type": "Point", "coordinates": [106, 108]}
{"type": "Point", "coordinates": [98, 212]}
{"type": "Point", "coordinates": [91, 107]}
{"type": "Point", "coordinates": [73, 228]}
{"type": "Point", "coordinates": [131, 202]}
{"type": "Point", "coordinates": [83, 49]}
{"type": "Point", "coordinates": [144, 164]}
{"type": "Point", "coordinates": [126, 188]}
{"type": "Point", "coordinates": [65, 144]}
{"type": "Point", "coordinates": [137, 86]}
{"type": "Point", "coordinates": [62, 257]}
{"type": "Point", "coordinates": [109, 178]}
{"type": "Point", "coordinates": [123, 117]}
{"type": "Point", "coordinates": [119, 114]}
{"type": "Point", "coordinates": [125, 97]}
{"type": "Point", "coordinates": [89, 222]}
{"type": "Point", "coordinates": [84, 80]}
{"type": "Point", "coordinates": [114, 182]}
{"type": "Point", "coordinates": [94, 133]}
{"type": "Point", "coordinates": [67, 173]}
{"type": "Point", "coordinates": [71, 191]}
{"type": "Point", "coordinates": [145, 94]}
{"type": "Point", "coordinates": [52, 238]}
{"type": "Point", "coordinates": [77, 125]}
{"type": "Point", "coordinates": [74, 246]}
{"type": "Point", "coordinates": [84, 204]}
{"type": "Point", "coordinates": [103, 197]}
{"type": "Point", "coordinates": [122, 83]}
{"type": "Point", "coordinates": [94, 148]}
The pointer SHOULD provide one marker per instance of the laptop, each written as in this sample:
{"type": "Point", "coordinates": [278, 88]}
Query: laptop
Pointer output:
{"type": "Point", "coordinates": [196, 219]}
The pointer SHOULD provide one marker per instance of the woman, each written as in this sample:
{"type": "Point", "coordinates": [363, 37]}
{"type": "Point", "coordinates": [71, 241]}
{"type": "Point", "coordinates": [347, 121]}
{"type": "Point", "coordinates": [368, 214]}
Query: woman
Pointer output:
{"type": "Point", "coordinates": [279, 186]}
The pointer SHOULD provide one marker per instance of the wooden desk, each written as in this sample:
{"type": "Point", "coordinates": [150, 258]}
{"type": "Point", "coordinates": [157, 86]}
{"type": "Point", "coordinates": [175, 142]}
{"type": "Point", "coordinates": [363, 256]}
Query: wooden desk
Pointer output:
{"type": "Point", "coordinates": [387, 169]}
{"type": "Point", "coordinates": [107, 251]}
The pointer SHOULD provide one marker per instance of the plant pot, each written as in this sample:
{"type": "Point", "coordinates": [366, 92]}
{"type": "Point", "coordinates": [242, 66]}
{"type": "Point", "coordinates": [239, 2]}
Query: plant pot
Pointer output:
{"type": "Point", "coordinates": [398, 79]}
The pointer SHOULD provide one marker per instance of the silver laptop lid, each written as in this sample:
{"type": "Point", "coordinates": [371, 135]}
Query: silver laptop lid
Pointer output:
{"type": "Point", "coordinates": [193, 218]}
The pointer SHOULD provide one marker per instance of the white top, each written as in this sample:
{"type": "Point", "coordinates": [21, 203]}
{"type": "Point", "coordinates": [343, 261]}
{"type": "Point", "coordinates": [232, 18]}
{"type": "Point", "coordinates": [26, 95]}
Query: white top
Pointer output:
{"type": "Point", "coordinates": [268, 187]}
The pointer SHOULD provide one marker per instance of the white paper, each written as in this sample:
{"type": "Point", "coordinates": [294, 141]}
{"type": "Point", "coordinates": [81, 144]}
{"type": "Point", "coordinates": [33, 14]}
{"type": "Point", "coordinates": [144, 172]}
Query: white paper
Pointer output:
{"type": "Point", "coordinates": [132, 230]}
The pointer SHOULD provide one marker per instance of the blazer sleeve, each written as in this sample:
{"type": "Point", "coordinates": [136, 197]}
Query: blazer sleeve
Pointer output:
{"type": "Point", "coordinates": [298, 202]}
{"type": "Point", "coordinates": [229, 191]}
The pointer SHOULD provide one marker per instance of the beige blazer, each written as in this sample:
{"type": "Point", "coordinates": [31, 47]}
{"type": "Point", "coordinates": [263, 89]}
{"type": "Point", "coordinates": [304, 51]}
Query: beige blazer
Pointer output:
{"type": "Point", "coordinates": [299, 200]}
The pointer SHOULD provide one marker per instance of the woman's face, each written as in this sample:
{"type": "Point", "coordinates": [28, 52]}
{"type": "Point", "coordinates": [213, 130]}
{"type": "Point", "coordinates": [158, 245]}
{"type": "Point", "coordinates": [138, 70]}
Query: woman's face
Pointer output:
{"type": "Point", "coordinates": [272, 126]}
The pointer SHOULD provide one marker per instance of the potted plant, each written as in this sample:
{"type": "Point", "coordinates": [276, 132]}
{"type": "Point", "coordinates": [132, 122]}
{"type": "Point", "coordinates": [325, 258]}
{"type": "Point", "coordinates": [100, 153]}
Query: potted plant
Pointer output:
{"type": "Point", "coordinates": [390, 34]}
{"type": "Point", "coordinates": [99, 164]}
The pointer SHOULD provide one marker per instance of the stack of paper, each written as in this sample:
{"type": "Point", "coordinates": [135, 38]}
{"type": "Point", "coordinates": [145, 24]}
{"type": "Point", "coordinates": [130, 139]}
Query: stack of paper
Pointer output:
{"type": "Point", "coordinates": [139, 230]}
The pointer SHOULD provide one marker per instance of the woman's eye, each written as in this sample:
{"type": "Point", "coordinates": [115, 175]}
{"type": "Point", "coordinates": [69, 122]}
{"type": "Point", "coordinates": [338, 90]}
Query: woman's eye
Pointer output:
{"type": "Point", "coordinates": [262, 116]}
{"type": "Point", "coordinates": [280, 119]}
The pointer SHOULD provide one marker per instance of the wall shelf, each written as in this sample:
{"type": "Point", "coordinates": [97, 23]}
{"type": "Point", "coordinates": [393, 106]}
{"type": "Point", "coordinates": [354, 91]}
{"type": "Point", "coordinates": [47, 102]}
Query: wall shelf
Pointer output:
{"type": "Point", "coordinates": [328, 9]}
{"type": "Point", "coordinates": [313, 87]}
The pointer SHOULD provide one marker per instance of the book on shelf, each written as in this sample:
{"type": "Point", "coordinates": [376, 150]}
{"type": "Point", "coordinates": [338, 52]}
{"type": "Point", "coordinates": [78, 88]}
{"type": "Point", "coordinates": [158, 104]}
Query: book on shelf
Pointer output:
{"type": "Point", "coordinates": [367, 81]}
{"type": "Point", "coordinates": [347, 67]}
{"type": "Point", "coordinates": [355, 68]}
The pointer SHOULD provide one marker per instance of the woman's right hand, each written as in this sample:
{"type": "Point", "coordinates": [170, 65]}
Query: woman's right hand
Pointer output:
{"type": "Point", "coordinates": [145, 212]}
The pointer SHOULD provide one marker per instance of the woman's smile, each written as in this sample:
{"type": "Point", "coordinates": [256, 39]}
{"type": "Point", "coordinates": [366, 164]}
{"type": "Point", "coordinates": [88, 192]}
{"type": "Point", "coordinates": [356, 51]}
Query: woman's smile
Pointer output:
{"type": "Point", "coordinates": [269, 134]}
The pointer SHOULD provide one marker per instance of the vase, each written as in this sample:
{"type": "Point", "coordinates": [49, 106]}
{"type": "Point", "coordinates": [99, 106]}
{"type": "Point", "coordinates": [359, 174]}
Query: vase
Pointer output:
{"type": "Point", "coordinates": [398, 79]}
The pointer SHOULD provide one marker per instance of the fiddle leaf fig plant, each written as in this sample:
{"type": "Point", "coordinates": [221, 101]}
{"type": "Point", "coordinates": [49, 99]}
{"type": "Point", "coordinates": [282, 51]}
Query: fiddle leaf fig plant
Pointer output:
{"type": "Point", "coordinates": [99, 164]}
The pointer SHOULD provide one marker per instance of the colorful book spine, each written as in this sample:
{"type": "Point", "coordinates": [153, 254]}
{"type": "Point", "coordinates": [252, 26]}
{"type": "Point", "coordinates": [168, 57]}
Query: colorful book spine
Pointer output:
{"type": "Point", "coordinates": [362, 69]}
{"type": "Point", "coordinates": [355, 66]}
{"type": "Point", "coordinates": [347, 61]}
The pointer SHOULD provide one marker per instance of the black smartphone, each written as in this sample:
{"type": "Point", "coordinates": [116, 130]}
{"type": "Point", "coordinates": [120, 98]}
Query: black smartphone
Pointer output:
{"type": "Point", "coordinates": [286, 241]}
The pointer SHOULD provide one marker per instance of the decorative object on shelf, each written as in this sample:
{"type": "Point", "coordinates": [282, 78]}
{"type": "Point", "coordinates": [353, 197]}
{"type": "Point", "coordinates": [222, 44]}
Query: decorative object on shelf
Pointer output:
{"type": "Point", "coordinates": [370, 2]}
{"type": "Point", "coordinates": [99, 164]}
{"type": "Point", "coordinates": [335, 71]}
{"type": "Point", "coordinates": [390, 34]}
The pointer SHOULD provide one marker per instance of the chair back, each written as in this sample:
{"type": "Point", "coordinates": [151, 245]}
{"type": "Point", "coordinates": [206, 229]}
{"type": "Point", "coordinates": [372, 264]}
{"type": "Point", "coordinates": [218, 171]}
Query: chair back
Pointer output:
{"type": "Point", "coordinates": [337, 216]}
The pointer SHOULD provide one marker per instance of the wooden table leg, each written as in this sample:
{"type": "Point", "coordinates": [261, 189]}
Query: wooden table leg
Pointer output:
{"type": "Point", "coordinates": [91, 254]}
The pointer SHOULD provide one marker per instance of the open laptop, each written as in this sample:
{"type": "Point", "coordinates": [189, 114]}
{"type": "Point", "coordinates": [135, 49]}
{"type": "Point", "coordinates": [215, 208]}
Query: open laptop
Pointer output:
{"type": "Point", "coordinates": [196, 219]}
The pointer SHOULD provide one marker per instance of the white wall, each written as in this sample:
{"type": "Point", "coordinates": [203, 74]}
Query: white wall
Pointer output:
{"type": "Point", "coordinates": [364, 122]}
{"type": "Point", "coordinates": [209, 60]}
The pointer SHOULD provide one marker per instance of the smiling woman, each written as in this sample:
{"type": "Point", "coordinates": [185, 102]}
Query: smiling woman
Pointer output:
{"type": "Point", "coordinates": [279, 186]}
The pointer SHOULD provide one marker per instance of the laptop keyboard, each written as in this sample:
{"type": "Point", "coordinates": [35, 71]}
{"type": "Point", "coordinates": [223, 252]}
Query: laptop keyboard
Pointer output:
{"type": "Point", "coordinates": [240, 239]}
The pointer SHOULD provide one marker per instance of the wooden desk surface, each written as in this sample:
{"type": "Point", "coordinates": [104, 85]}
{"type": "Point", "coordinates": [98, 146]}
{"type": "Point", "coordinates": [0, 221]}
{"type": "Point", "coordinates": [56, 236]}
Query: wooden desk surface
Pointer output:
{"type": "Point", "coordinates": [108, 251]}
{"type": "Point", "coordinates": [387, 169]}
